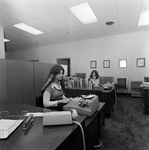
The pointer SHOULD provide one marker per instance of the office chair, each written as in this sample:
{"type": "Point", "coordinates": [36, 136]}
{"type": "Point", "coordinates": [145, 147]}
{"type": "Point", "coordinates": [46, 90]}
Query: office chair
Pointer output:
{"type": "Point", "coordinates": [121, 84]}
{"type": "Point", "coordinates": [39, 101]}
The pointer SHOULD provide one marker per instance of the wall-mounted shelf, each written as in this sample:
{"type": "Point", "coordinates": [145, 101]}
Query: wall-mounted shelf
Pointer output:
{"type": "Point", "coordinates": [135, 88]}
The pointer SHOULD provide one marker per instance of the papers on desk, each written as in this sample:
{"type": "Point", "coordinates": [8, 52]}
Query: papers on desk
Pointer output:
{"type": "Point", "coordinates": [145, 84]}
{"type": "Point", "coordinates": [7, 126]}
{"type": "Point", "coordinates": [88, 96]}
{"type": "Point", "coordinates": [35, 114]}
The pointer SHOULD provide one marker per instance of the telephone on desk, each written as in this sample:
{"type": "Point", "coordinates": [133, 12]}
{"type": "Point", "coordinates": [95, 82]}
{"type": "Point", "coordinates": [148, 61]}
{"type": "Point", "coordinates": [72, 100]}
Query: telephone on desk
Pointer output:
{"type": "Point", "coordinates": [85, 105]}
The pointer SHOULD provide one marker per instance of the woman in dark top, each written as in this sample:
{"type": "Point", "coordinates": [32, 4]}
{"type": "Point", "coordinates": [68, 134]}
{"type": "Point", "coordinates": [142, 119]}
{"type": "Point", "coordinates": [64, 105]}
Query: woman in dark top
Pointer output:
{"type": "Point", "coordinates": [53, 90]}
{"type": "Point", "coordinates": [94, 76]}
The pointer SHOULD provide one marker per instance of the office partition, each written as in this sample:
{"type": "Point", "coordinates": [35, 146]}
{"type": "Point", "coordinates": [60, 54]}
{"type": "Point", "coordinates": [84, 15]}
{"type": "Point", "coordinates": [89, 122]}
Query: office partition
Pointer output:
{"type": "Point", "coordinates": [3, 80]}
{"type": "Point", "coordinates": [14, 80]}
{"type": "Point", "coordinates": [21, 81]}
{"type": "Point", "coordinates": [28, 83]}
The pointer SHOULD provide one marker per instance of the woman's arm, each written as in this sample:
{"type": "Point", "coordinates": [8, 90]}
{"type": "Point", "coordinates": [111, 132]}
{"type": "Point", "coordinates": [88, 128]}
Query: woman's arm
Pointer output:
{"type": "Point", "coordinates": [48, 103]}
{"type": "Point", "coordinates": [46, 100]}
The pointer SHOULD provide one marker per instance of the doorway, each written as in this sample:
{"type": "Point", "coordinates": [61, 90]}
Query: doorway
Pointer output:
{"type": "Point", "coordinates": [65, 62]}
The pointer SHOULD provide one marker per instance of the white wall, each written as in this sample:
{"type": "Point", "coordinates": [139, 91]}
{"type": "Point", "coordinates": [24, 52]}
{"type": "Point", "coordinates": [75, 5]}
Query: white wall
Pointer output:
{"type": "Point", "coordinates": [125, 46]}
{"type": "Point", "coordinates": [2, 53]}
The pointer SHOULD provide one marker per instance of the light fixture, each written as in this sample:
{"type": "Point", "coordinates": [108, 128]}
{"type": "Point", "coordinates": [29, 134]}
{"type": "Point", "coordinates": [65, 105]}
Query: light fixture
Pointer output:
{"type": "Point", "coordinates": [6, 40]}
{"type": "Point", "coordinates": [27, 28]}
{"type": "Point", "coordinates": [109, 23]}
{"type": "Point", "coordinates": [84, 13]}
{"type": "Point", "coordinates": [144, 19]}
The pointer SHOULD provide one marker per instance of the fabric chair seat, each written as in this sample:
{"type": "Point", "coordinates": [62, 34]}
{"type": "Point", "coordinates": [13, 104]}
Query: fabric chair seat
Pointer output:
{"type": "Point", "coordinates": [121, 84]}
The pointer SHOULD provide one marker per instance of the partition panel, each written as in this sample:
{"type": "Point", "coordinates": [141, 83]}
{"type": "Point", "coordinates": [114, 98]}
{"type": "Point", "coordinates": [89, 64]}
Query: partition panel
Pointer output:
{"type": "Point", "coordinates": [21, 81]}
{"type": "Point", "coordinates": [14, 80]}
{"type": "Point", "coordinates": [3, 80]}
{"type": "Point", "coordinates": [28, 83]}
{"type": "Point", "coordinates": [38, 78]}
{"type": "Point", "coordinates": [46, 70]}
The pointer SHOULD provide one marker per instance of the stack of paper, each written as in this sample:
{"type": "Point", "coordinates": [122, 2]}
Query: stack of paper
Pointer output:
{"type": "Point", "coordinates": [7, 126]}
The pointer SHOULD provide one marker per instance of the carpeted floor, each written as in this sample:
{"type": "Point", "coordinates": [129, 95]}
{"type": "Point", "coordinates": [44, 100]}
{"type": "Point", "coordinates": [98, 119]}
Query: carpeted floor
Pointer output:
{"type": "Point", "coordinates": [128, 127]}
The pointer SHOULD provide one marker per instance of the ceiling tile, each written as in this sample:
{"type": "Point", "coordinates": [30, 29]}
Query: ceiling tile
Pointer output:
{"type": "Point", "coordinates": [82, 31]}
{"type": "Point", "coordinates": [104, 9]}
{"type": "Point", "coordinates": [49, 37]}
{"type": "Point", "coordinates": [12, 33]}
{"type": "Point", "coordinates": [39, 25]}
{"type": "Point", "coordinates": [128, 7]}
{"type": "Point", "coordinates": [13, 12]}
{"type": "Point", "coordinates": [69, 33]}
{"type": "Point", "coordinates": [49, 5]}
{"type": "Point", "coordinates": [54, 19]}
{"type": "Point", "coordinates": [130, 21]}
{"type": "Point", "coordinates": [145, 5]}
{"type": "Point", "coordinates": [27, 6]}
{"type": "Point", "coordinates": [67, 18]}
{"type": "Point", "coordinates": [59, 35]}
{"type": "Point", "coordinates": [52, 22]}
{"type": "Point", "coordinates": [7, 20]}
{"type": "Point", "coordinates": [96, 29]}
{"type": "Point", "coordinates": [70, 3]}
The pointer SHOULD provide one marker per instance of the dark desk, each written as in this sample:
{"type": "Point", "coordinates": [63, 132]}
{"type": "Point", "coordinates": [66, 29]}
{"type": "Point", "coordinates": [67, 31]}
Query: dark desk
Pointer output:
{"type": "Point", "coordinates": [94, 126]}
{"type": "Point", "coordinates": [145, 98]}
{"type": "Point", "coordinates": [60, 137]}
{"type": "Point", "coordinates": [106, 96]}
{"type": "Point", "coordinates": [39, 137]}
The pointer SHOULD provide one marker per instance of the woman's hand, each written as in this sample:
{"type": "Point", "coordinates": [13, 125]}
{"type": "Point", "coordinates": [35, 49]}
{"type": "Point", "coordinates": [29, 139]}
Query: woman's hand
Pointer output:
{"type": "Point", "coordinates": [65, 100]}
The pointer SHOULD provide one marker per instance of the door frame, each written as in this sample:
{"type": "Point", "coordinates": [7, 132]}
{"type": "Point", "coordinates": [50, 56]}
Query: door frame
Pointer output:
{"type": "Point", "coordinates": [68, 59]}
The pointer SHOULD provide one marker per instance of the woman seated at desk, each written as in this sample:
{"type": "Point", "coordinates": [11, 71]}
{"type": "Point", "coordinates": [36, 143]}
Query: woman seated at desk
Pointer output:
{"type": "Point", "coordinates": [53, 90]}
{"type": "Point", "coordinates": [94, 76]}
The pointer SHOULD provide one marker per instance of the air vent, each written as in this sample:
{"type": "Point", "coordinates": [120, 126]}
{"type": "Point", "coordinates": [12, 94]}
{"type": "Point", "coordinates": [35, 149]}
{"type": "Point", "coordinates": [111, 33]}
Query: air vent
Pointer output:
{"type": "Point", "coordinates": [109, 23]}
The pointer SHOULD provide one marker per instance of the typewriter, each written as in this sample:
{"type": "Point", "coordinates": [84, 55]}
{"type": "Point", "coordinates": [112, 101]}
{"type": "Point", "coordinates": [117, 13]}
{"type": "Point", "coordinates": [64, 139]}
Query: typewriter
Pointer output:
{"type": "Point", "coordinates": [85, 105]}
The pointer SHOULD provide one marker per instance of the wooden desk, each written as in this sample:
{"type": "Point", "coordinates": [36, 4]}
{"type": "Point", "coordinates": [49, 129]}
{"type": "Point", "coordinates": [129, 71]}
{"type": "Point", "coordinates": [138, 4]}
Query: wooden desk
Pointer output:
{"type": "Point", "coordinates": [106, 96]}
{"type": "Point", "coordinates": [94, 126]}
{"type": "Point", "coordinates": [38, 137]}
{"type": "Point", "coordinates": [145, 98]}
{"type": "Point", "coordinates": [60, 137]}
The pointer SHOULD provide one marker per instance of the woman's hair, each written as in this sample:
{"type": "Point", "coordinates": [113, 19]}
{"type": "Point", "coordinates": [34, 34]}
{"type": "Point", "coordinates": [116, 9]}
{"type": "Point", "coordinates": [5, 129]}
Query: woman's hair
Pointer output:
{"type": "Point", "coordinates": [96, 73]}
{"type": "Point", "coordinates": [56, 69]}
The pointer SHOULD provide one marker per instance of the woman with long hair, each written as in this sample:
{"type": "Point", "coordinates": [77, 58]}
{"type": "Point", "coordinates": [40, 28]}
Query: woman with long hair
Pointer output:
{"type": "Point", "coordinates": [94, 76]}
{"type": "Point", "coordinates": [53, 89]}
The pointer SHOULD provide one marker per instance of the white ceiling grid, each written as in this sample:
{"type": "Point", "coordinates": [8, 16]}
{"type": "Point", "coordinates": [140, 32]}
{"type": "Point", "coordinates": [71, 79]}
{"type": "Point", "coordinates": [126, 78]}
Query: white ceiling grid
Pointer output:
{"type": "Point", "coordinates": [60, 25]}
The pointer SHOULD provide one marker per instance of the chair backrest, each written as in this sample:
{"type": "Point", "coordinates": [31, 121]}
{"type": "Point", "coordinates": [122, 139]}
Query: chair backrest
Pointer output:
{"type": "Point", "coordinates": [105, 79]}
{"type": "Point", "coordinates": [121, 82]}
{"type": "Point", "coordinates": [39, 101]}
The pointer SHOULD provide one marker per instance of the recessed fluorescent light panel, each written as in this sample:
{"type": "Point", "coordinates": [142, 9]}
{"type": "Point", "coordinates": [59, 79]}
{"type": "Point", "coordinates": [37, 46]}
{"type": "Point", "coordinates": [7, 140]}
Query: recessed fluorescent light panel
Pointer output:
{"type": "Point", "coordinates": [84, 13]}
{"type": "Point", "coordinates": [27, 28]}
{"type": "Point", "coordinates": [144, 19]}
{"type": "Point", "coordinates": [6, 40]}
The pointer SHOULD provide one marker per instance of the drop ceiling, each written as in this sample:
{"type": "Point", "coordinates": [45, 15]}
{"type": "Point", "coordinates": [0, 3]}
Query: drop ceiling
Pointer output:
{"type": "Point", "coordinates": [60, 25]}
